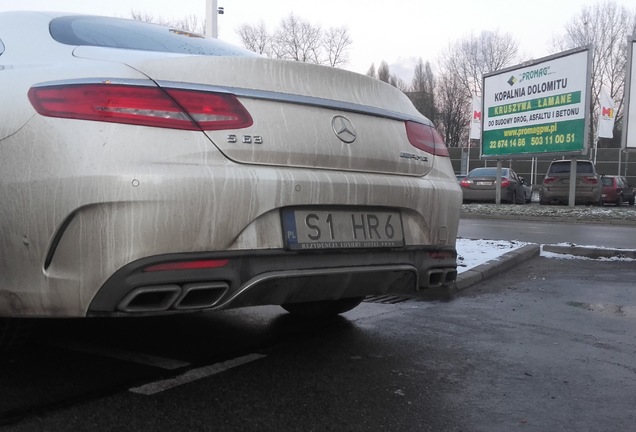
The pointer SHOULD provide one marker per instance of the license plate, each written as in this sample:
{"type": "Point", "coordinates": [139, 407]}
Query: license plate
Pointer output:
{"type": "Point", "coordinates": [484, 183]}
{"type": "Point", "coordinates": [342, 229]}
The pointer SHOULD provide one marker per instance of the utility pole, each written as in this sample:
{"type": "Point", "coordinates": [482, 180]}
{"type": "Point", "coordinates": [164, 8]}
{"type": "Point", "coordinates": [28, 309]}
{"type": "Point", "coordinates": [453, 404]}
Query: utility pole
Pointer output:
{"type": "Point", "coordinates": [212, 18]}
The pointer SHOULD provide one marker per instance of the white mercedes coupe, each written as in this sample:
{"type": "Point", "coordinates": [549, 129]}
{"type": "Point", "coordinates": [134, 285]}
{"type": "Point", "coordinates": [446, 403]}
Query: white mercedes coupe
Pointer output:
{"type": "Point", "coordinates": [147, 170]}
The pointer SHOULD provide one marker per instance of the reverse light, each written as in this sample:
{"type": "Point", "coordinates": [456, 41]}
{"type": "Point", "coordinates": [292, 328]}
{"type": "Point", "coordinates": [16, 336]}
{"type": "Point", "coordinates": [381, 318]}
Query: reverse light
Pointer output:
{"type": "Point", "coordinates": [426, 138]}
{"type": "Point", "coordinates": [141, 105]}
{"type": "Point", "coordinates": [187, 265]}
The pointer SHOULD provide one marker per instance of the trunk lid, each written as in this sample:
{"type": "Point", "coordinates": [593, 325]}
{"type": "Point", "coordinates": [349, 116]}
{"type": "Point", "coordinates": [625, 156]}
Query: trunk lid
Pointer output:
{"type": "Point", "coordinates": [304, 115]}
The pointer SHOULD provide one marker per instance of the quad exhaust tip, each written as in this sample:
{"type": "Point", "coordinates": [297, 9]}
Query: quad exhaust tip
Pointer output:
{"type": "Point", "coordinates": [159, 298]}
{"type": "Point", "coordinates": [438, 277]}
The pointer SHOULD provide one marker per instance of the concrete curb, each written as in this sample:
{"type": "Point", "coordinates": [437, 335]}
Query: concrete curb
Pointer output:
{"type": "Point", "coordinates": [551, 219]}
{"type": "Point", "coordinates": [496, 266]}
{"type": "Point", "coordinates": [588, 252]}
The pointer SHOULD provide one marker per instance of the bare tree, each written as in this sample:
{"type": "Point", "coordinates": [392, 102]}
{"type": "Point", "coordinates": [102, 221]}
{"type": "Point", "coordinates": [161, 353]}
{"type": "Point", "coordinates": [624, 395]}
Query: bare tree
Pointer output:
{"type": "Point", "coordinates": [299, 40]}
{"type": "Point", "coordinates": [422, 90]}
{"type": "Point", "coordinates": [336, 41]}
{"type": "Point", "coordinates": [190, 23]}
{"type": "Point", "coordinates": [463, 66]}
{"type": "Point", "coordinates": [398, 83]}
{"type": "Point", "coordinates": [473, 56]}
{"type": "Point", "coordinates": [605, 26]}
{"type": "Point", "coordinates": [384, 73]}
{"type": "Point", "coordinates": [256, 38]}
{"type": "Point", "coordinates": [371, 71]}
{"type": "Point", "coordinates": [453, 111]}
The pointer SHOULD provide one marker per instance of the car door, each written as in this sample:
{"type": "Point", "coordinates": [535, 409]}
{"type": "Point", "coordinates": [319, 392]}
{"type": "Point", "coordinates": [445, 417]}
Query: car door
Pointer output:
{"type": "Point", "coordinates": [517, 186]}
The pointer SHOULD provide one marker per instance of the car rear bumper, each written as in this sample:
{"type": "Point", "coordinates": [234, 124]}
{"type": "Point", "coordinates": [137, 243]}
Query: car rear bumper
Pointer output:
{"type": "Point", "coordinates": [484, 195]}
{"type": "Point", "coordinates": [81, 214]}
{"type": "Point", "coordinates": [583, 195]}
{"type": "Point", "coordinates": [271, 277]}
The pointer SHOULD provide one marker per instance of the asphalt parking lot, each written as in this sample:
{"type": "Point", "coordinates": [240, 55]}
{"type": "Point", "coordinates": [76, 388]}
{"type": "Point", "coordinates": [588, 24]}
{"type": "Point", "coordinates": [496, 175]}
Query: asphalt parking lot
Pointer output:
{"type": "Point", "coordinates": [527, 342]}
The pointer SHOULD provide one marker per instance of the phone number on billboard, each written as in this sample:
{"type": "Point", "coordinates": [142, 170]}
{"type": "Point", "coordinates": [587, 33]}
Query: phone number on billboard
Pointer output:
{"type": "Point", "coordinates": [532, 141]}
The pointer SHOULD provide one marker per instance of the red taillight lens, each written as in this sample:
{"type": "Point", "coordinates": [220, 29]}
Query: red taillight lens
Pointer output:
{"type": "Point", "coordinates": [426, 138]}
{"type": "Point", "coordinates": [590, 180]}
{"type": "Point", "coordinates": [549, 179]}
{"type": "Point", "coordinates": [505, 182]}
{"type": "Point", "coordinates": [141, 105]}
{"type": "Point", "coordinates": [188, 265]}
{"type": "Point", "coordinates": [465, 183]}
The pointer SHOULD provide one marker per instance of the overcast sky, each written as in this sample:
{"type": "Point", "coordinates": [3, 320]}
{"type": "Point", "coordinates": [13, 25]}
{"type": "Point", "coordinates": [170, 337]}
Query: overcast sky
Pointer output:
{"type": "Point", "coordinates": [397, 31]}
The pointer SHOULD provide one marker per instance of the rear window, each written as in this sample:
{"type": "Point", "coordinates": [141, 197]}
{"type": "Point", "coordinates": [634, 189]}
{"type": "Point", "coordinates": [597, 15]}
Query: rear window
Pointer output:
{"type": "Point", "coordinates": [136, 35]}
{"type": "Point", "coordinates": [487, 172]}
{"type": "Point", "coordinates": [582, 167]}
{"type": "Point", "coordinates": [607, 181]}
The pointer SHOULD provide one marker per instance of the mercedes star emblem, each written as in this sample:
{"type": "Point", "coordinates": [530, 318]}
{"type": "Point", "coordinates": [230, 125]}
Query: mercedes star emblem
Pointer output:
{"type": "Point", "coordinates": [343, 128]}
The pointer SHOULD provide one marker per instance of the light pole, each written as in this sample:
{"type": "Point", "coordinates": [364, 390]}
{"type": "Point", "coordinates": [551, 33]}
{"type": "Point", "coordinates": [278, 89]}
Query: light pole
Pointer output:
{"type": "Point", "coordinates": [212, 18]}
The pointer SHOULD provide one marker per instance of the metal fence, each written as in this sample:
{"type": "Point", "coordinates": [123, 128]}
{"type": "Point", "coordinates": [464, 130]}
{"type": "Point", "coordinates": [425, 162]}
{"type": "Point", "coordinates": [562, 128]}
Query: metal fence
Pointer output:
{"type": "Point", "coordinates": [608, 161]}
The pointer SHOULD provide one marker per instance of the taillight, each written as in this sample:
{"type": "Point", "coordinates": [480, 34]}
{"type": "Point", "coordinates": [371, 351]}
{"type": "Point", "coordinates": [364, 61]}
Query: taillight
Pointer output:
{"type": "Point", "coordinates": [549, 179]}
{"type": "Point", "coordinates": [187, 265]}
{"type": "Point", "coordinates": [465, 182]}
{"type": "Point", "coordinates": [426, 138]}
{"type": "Point", "coordinates": [141, 105]}
{"type": "Point", "coordinates": [505, 182]}
{"type": "Point", "coordinates": [590, 180]}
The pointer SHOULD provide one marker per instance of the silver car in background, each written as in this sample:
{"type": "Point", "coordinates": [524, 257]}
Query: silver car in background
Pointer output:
{"type": "Point", "coordinates": [555, 188]}
{"type": "Point", "coordinates": [147, 170]}
{"type": "Point", "coordinates": [480, 185]}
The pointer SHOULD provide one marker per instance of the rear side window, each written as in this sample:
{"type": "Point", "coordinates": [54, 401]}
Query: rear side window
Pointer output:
{"type": "Point", "coordinates": [582, 167]}
{"type": "Point", "coordinates": [137, 35]}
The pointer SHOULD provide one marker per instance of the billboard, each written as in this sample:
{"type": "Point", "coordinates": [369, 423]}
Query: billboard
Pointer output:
{"type": "Point", "coordinates": [629, 117]}
{"type": "Point", "coordinates": [540, 107]}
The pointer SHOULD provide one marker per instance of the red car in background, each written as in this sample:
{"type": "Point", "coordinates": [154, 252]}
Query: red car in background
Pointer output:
{"type": "Point", "coordinates": [617, 191]}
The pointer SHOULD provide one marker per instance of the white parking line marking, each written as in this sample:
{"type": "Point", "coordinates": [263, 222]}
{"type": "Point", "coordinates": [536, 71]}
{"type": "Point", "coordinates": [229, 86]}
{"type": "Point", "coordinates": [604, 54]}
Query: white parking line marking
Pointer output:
{"type": "Point", "coordinates": [193, 375]}
{"type": "Point", "coordinates": [132, 357]}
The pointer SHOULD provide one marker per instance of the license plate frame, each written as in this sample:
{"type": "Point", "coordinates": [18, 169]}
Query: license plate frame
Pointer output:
{"type": "Point", "coordinates": [341, 228]}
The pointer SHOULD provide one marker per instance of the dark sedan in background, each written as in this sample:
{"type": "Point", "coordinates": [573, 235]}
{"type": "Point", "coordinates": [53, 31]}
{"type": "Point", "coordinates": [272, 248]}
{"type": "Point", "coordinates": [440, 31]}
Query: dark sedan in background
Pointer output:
{"type": "Point", "coordinates": [481, 183]}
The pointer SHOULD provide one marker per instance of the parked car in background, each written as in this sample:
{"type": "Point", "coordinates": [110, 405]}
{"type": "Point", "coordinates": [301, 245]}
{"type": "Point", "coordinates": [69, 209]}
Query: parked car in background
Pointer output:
{"type": "Point", "coordinates": [481, 184]}
{"type": "Point", "coordinates": [555, 188]}
{"type": "Point", "coordinates": [617, 191]}
{"type": "Point", "coordinates": [147, 170]}
{"type": "Point", "coordinates": [527, 189]}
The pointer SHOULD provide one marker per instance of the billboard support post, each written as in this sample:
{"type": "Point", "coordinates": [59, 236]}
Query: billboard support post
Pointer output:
{"type": "Point", "coordinates": [572, 196]}
{"type": "Point", "coordinates": [629, 108]}
{"type": "Point", "coordinates": [498, 187]}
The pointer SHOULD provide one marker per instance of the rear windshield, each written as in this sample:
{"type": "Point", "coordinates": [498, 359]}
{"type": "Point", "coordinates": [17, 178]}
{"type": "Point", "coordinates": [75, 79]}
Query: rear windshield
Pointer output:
{"type": "Point", "coordinates": [607, 181]}
{"type": "Point", "coordinates": [137, 35]}
{"type": "Point", "coordinates": [487, 172]}
{"type": "Point", "coordinates": [582, 167]}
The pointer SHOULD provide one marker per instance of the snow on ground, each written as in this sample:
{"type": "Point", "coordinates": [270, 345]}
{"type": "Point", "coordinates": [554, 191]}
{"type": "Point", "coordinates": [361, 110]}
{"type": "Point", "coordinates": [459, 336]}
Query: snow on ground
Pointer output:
{"type": "Point", "coordinates": [471, 253]}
